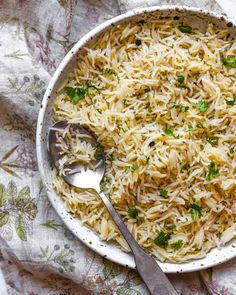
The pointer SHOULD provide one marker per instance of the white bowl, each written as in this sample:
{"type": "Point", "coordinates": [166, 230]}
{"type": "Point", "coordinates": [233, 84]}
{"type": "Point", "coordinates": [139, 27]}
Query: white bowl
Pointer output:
{"type": "Point", "coordinates": [88, 236]}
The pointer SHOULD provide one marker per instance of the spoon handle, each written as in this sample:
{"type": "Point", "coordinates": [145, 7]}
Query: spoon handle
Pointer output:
{"type": "Point", "coordinates": [154, 278]}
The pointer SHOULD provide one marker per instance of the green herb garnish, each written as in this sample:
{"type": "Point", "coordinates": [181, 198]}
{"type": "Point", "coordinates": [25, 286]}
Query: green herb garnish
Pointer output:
{"type": "Point", "coordinates": [162, 239]}
{"type": "Point", "coordinates": [169, 131]}
{"type": "Point", "coordinates": [78, 93]}
{"type": "Point", "coordinates": [133, 167]}
{"type": "Point", "coordinates": [171, 227]}
{"type": "Point", "coordinates": [231, 150]}
{"type": "Point", "coordinates": [163, 193]}
{"type": "Point", "coordinates": [195, 211]}
{"type": "Point", "coordinates": [199, 125]}
{"type": "Point", "coordinates": [176, 246]}
{"type": "Point", "coordinates": [102, 187]}
{"type": "Point", "coordinates": [133, 213]}
{"type": "Point", "coordinates": [212, 172]}
{"type": "Point", "coordinates": [186, 29]}
{"type": "Point", "coordinates": [147, 160]}
{"type": "Point", "coordinates": [108, 72]}
{"type": "Point", "coordinates": [99, 151]}
{"type": "Point", "coordinates": [229, 62]}
{"type": "Point", "coordinates": [213, 140]}
{"type": "Point", "coordinates": [180, 79]}
{"type": "Point", "coordinates": [184, 167]}
{"type": "Point", "coordinates": [230, 102]}
{"type": "Point", "coordinates": [202, 106]}
{"type": "Point", "coordinates": [147, 106]}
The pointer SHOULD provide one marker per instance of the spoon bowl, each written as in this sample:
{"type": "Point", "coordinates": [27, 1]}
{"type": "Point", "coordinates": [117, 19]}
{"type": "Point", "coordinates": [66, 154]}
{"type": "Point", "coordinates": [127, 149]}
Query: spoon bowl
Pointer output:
{"type": "Point", "coordinates": [79, 175]}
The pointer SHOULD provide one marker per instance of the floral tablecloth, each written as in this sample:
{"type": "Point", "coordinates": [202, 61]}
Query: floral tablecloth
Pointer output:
{"type": "Point", "coordinates": [38, 254]}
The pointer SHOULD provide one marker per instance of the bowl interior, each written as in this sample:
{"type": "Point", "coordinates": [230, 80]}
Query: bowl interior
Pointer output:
{"type": "Point", "coordinates": [196, 18]}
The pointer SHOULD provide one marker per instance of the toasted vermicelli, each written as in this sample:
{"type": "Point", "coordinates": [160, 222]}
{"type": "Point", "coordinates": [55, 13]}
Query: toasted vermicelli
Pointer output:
{"type": "Point", "coordinates": [161, 100]}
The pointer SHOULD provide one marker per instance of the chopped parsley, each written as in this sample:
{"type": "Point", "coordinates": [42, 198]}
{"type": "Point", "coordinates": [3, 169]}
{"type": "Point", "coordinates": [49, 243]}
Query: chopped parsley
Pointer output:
{"type": "Point", "coordinates": [202, 106]}
{"type": "Point", "coordinates": [147, 106]}
{"type": "Point", "coordinates": [213, 140]}
{"type": "Point", "coordinates": [229, 62]}
{"type": "Point", "coordinates": [212, 172]}
{"type": "Point", "coordinates": [171, 227]}
{"type": "Point", "coordinates": [186, 29]}
{"type": "Point", "coordinates": [138, 42]}
{"type": "Point", "coordinates": [99, 151]}
{"type": "Point", "coordinates": [102, 187]}
{"type": "Point", "coordinates": [199, 125]}
{"type": "Point", "coordinates": [144, 89]}
{"type": "Point", "coordinates": [133, 213]}
{"type": "Point", "coordinates": [163, 193]}
{"type": "Point", "coordinates": [133, 167]}
{"type": "Point", "coordinates": [78, 93]}
{"type": "Point", "coordinates": [162, 239]}
{"type": "Point", "coordinates": [230, 102]}
{"type": "Point", "coordinates": [195, 211]}
{"type": "Point", "coordinates": [185, 166]}
{"type": "Point", "coordinates": [109, 72]}
{"type": "Point", "coordinates": [180, 79]}
{"type": "Point", "coordinates": [169, 131]}
{"type": "Point", "coordinates": [152, 143]}
{"type": "Point", "coordinates": [147, 162]}
{"type": "Point", "coordinates": [231, 150]}
{"type": "Point", "coordinates": [186, 108]}
{"type": "Point", "coordinates": [176, 246]}
{"type": "Point", "coordinates": [110, 157]}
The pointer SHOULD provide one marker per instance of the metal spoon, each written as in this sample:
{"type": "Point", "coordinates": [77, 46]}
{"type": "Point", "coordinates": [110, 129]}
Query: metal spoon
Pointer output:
{"type": "Point", "coordinates": [85, 178]}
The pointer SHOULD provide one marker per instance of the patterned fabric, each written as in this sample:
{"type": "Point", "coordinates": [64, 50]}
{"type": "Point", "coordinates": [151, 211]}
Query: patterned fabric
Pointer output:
{"type": "Point", "coordinates": [39, 255]}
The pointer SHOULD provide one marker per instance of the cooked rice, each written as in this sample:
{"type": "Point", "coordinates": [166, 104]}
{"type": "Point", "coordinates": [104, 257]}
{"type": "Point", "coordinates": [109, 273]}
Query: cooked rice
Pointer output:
{"type": "Point", "coordinates": [158, 137]}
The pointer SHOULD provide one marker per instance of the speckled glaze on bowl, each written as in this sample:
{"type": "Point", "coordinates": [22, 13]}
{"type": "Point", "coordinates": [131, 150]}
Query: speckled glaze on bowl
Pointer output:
{"type": "Point", "coordinates": [196, 17]}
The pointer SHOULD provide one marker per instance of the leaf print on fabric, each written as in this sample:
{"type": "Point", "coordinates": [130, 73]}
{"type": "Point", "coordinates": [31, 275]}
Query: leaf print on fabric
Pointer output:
{"type": "Point", "coordinates": [8, 166]}
{"type": "Point", "coordinates": [44, 54]}
{"type": "Point", "coordinates": [11, 192]}
{"type": "Point", "coordinates": [111, 269]}
{"type": "Point", "coordinates": [3, 195]}
{"type": "Point", "coordinates": [215, 289]}
{"type": "Point", "coordinates": [125, 291]}
{"type": "Point", "coordinates": [133, 279]}
{"type": "Point", "coordinates": [17, 210]}
{"type": "Point", "coordinates": [20, 228]}
{"type": "Point", "coordinates": [32, 86]}
{"type": "Point", "coordinates": [16, 123]}
{"type": "Point", "coordinates": [4, 217]}
{"type": "Point", "coordinates": [17, 54]}
{"type": "Point", "coordinates": [91, 15]}
{"type": "Point", "coordinates": [63, 285]}
{"type": "Point", "coordinates": [63, 40]}
{"type": "Point", "coordinates": [23, 159]}
{"type": "Point", "coordinates": [64, 258]}
{"type": "Point", "coordinates": [24, 192]}
{"type": "Point", "coordinates": [52, 224]}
